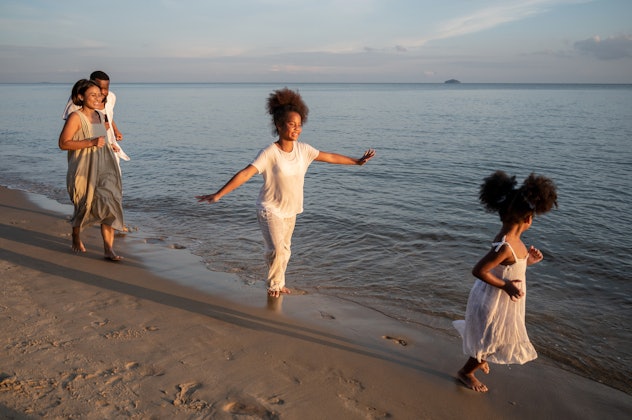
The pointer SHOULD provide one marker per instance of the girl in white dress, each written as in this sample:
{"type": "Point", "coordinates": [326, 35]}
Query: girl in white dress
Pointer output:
{"type": "Point", "coordinates": [283, 165]}
{"type": "Point", "coordinates": [494, 328]}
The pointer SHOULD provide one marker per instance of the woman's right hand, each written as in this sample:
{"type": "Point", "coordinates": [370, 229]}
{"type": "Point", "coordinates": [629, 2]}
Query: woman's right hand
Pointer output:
{"type": "Point", "coordinates": [511, 287]}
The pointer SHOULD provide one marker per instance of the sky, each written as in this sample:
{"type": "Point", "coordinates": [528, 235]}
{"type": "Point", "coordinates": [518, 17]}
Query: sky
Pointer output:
{"type": "Point", "coordinates": [274, 41]}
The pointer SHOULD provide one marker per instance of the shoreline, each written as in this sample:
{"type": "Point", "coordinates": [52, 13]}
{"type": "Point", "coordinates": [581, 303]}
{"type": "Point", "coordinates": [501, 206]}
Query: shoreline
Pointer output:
{"type": "Point", "coordinates": [90, 338]}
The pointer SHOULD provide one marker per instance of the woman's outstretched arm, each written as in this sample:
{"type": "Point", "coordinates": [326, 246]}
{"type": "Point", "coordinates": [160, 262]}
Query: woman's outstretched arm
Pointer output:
{"type": "Point", "coordinates": [235, 182]}
{"type": "Point", "coordinates": [345, 160]}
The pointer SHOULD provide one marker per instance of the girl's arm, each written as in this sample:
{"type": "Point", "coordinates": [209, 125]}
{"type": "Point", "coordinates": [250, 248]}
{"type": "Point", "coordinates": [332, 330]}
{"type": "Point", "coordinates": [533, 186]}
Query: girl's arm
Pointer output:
{"type": "Point", "coordinates": [72, 125]}
{"type": "Point", "coordinates": [345, 160]}
{"type": "Point", "coordinates": [482, 270]}
{"type": "Point", "coordinates": [235, 182]}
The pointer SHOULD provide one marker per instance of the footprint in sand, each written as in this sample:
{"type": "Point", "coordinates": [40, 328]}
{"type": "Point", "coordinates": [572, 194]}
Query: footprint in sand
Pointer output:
{"type": "Point", "coordinates": [276, 400]}
{"type": "Point", "coordinates": [184, 397]}
{"type": "Point", "coordinates": [298, 292]}
{"type": "Point", "coordinates": [124, 334]}
{"type": "Point", "coordinates": [99, 322]}
{"type": "Point", "coordinates": [365, 411]}
{"type": "Point", "coordinates": [150, 370]}
{"type": "Point", "coordinates": [250, 409]}
{"type": "Point", "coordinates": [131, 365]}
{"type": "Point", "coordinates": [325, 315]}
{"type": "Point", "coordinates": [155, 240]}
{"type": "Point", "coordinates": [396, 340]}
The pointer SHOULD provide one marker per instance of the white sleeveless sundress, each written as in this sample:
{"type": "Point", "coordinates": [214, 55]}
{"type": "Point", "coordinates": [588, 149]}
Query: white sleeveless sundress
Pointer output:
{"type": "Point", "coordinates": [494, 328]}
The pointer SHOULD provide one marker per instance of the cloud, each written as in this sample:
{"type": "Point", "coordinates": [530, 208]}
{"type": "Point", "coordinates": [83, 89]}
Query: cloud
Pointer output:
{"type": "Point", "coordinates": [612, 48]}
{"type": "Point", "coordinates": [491, 17]}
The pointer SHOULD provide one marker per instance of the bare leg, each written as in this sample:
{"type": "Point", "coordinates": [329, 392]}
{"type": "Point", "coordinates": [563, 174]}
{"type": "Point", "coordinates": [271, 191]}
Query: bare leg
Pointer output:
{"type": "Point", "coordinates": [466, 374]}
{"type": "Point", "coordinates": [77, 245]}
{"type": "Point", "coordinates": [108, 243]}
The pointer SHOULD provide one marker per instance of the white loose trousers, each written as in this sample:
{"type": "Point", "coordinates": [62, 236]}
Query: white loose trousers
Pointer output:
{"type": "Point", "coordinates": [277, 237]}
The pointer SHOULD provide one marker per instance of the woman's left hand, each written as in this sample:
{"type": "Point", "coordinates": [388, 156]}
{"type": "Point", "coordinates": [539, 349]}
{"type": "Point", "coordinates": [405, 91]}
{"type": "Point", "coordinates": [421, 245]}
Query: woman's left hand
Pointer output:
{"type": "Point", "coordinates": [368, 155]}
{"type": "Point", "coordinates": [210, 198]}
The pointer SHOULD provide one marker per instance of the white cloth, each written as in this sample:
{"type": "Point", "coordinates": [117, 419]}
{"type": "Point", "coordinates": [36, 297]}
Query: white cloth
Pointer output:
{"type": "Point", "coordinates": [494, 328]}
{"type": "Point", "coordinates": [277, 238]}
{"type": "Point", "coordinates": [283, 178]}
{"type": "Point", "coordinates": [280, 200]}
{"type": "Point", "coordinates": [109, 112]}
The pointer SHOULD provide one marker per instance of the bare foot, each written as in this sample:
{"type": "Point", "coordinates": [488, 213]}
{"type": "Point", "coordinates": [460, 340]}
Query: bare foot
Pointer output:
{"type": "Point", "coordinates": [485, 368]}
{"type": "Point", "coordinates": [111, 256]}
{"type": "Point", "coordinates": [277, 293]}
{"type": "Point", "coordinates": [77, 245]}
{"type": "Point", "coordinates": [470, 381]}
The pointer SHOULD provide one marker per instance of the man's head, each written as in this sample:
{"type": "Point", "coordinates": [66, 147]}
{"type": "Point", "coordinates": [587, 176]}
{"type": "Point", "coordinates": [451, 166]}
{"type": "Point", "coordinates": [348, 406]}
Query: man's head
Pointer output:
{"type": "Point", "coordinates": [103, 80]}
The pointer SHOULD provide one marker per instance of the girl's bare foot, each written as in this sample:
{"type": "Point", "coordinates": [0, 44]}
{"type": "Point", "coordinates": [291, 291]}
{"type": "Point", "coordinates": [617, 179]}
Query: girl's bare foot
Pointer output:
{"type": "Point", "coordinates": [77, 245]}
{"type": "Point", "coordinates": [470, 381]}
{"type": "Point", "coordinates": [277, 293]}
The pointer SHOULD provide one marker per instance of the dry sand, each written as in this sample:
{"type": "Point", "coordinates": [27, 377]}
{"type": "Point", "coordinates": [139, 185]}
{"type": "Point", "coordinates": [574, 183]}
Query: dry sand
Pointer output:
{"type": "Point", "coordinates": [86, 338]}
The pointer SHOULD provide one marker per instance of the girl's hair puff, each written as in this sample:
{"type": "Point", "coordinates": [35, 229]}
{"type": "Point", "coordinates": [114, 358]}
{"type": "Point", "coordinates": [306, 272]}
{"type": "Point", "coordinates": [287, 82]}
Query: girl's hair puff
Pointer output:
{"type": "Point", "coordinates": [283, 101]}
{"type": "Point", "coordinates": [536, 195]}
{"type": "Point", "coordinates": [540, 192]}
{"type": "Point", "coordinates": [495, 190]}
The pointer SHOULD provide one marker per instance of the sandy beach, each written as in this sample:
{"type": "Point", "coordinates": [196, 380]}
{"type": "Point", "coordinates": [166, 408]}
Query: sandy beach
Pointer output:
{"type": "Point", "coordinates": [86, 338]}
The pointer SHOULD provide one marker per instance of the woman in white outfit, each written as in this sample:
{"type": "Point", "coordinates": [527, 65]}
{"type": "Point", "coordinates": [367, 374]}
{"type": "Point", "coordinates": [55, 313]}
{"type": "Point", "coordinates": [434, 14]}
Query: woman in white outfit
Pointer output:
{"type": "Point", "coordinates": [283, 165]}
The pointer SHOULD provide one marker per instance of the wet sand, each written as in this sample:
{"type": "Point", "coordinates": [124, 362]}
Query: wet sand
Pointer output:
{"type": "Point", "coordinates": [86, 338]}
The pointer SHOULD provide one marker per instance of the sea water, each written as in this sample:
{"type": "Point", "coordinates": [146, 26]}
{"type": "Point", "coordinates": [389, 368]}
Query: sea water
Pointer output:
{"type": "Point", "coordinates": [401, 234]}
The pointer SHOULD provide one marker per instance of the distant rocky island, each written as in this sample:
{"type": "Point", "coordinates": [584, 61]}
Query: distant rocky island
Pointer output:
{"type": "Point", "coordinates": [452, 81]}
